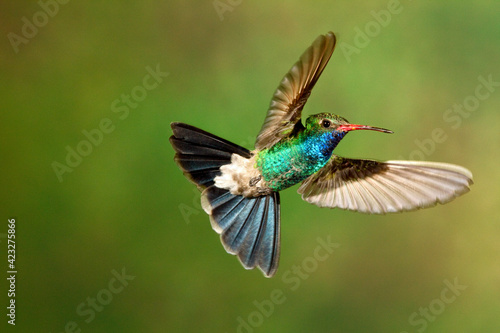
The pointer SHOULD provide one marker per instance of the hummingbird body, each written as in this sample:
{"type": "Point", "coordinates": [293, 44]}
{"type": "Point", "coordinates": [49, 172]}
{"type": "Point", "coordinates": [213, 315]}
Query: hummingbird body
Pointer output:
{"type": "Point", "coordinates": [240, 188]}
{"type": "Point", "coordinates": [287, 162]}
{"type": "Point", "coordinates": [291, 161]}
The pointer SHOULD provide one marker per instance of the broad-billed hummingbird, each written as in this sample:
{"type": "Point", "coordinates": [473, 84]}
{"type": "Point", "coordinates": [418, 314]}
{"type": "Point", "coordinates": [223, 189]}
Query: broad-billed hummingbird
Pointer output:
{"type": "Point", "coordinates": [240, 188]}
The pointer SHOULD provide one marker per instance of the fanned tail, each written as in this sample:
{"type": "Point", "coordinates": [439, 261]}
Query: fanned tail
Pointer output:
{"type": "Point", "coordinates": [249, 227]}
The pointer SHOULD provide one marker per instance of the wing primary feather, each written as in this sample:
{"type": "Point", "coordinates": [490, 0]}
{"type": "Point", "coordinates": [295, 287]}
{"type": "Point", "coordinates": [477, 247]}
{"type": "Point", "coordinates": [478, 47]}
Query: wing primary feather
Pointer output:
{"type": "Point", "coordinates": [384, 187]}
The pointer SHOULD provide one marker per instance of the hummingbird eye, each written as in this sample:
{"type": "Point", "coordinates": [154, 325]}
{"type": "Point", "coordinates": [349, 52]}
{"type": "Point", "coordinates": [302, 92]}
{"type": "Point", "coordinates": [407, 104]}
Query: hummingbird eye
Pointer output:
{"type": "Point", "coordinates": [326, 123]}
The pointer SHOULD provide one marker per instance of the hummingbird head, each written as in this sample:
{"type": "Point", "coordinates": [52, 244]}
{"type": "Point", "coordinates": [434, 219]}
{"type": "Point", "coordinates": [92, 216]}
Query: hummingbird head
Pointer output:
{"type": "Point", "coordinates": [328, 129]}
{"type": "Point", "coordinates": [338, 126]}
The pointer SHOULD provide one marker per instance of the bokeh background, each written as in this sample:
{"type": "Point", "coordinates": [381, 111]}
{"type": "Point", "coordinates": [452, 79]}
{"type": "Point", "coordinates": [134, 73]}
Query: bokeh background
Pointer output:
{"type": "Point", "coordinates": [126, 206]}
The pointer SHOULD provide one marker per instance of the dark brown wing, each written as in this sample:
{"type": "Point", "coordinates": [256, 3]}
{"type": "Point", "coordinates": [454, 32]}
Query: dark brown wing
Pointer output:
{"type": "Point", "coordinates": [384, 187]}
{"type": "Point", "coordinates": [286, 106]}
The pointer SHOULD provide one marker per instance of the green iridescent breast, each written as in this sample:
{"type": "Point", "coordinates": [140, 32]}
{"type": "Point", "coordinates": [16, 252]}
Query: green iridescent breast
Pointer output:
{"type": "Point", "coordinates": [291, 161]}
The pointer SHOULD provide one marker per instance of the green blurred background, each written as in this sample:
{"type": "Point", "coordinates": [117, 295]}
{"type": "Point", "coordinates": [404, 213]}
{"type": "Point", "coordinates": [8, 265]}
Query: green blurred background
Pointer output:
{"type": "Point", "coordinates": [127, 206]}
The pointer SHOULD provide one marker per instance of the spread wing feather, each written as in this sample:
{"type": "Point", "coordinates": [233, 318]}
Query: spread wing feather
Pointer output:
{"type": "Point", "coordinates": [284, 113]}
{"type": "Point", "coordinates": [374, 187]}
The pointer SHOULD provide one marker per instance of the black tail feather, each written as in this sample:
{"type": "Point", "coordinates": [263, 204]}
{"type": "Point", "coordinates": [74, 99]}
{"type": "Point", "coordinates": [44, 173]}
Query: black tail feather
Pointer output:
{"type": "Point", "coordinates": [200, 154]}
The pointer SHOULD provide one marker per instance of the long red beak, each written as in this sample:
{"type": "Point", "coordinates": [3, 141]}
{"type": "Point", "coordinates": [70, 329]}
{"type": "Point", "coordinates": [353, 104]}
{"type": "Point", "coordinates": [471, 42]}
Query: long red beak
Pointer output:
{"type": "Point", "coordinates": [353, 127]}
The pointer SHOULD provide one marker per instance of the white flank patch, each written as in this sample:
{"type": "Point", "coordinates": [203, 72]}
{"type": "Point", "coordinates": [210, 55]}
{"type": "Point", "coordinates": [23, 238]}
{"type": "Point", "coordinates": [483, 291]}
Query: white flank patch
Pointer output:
{"type": "Point", "coordinates": [236, 177]}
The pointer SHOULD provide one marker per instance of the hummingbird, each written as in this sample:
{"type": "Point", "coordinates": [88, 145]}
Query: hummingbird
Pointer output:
{"type": "Point", "coordinates": [240, 187]}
